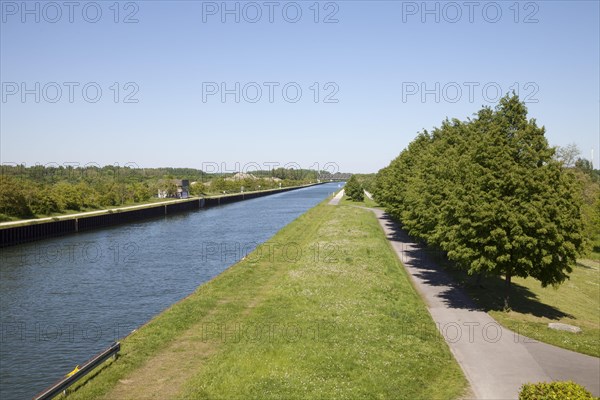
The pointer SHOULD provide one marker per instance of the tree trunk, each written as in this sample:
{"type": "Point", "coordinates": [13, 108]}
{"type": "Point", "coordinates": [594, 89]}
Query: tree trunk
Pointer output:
{"type": "Point", "coordinates": [507, 291]}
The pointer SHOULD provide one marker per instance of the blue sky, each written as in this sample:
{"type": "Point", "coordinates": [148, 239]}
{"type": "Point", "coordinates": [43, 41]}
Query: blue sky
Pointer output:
{"type": "Point", "coordinates": [384, 71]}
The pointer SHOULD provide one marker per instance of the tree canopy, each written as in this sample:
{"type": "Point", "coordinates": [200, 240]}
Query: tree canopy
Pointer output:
{"type": "Point", "coordinates": [489, 192]}
{"type": "Point", "coordinates": [29, 192]}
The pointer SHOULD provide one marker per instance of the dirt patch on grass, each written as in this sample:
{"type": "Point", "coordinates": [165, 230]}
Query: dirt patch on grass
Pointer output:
{"type": "Point", "coordinates": [163, 375]}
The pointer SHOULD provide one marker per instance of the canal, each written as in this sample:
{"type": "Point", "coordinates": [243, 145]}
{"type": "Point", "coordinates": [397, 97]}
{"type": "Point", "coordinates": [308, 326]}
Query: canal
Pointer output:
{"type": "Point", "coordinates": [65, 299]}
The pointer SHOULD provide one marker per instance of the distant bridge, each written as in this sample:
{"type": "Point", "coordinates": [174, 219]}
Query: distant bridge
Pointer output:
{"type": "Point", "coordinates": [335, 178]}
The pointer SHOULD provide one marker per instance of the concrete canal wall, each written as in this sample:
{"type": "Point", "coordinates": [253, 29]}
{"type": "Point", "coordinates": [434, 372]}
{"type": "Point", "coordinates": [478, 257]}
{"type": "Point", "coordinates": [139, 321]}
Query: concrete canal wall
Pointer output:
{"type": "Point", "coordinates": [13, 233]}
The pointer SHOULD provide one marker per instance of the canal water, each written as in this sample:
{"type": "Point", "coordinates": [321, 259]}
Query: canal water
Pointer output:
{"type": "Point", "coordinates": [65, 299]}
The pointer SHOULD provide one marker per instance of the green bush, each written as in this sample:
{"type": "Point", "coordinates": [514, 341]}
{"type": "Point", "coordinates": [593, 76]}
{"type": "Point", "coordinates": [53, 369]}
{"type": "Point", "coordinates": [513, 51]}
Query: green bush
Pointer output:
{"type": "Point", "coordinates": [354, 189]}
{"type": "Point", "coordinates": [554, 391]}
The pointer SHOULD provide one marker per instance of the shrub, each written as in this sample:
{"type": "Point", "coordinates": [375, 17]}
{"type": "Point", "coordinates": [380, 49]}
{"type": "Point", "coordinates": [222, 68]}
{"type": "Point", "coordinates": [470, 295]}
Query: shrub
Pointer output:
{"type": "Point", "coordinates": [353, 189]}
{"type": "Point", "coordinates": [554, 391]}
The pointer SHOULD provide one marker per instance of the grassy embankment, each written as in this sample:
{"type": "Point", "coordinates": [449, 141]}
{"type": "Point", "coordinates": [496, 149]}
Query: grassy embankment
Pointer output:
{"type": "Point", "coordinates": [149, 202]}
{"type": "Point", "coordinates": [324, 309]}
{"type": "Point", "coordinates": [575, 302]}
{"type": "Point", "coordinates": [365, 203]}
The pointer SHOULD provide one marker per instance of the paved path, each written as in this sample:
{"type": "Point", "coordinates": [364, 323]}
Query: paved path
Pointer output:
{"type": "Point", "coordinates": [495, 360]}
{"type": "Point", "coordinates": [336, 199]}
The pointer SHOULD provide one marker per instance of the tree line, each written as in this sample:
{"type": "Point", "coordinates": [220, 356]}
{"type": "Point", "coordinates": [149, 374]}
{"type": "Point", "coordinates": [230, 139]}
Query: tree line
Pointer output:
{"type": "Point", "coordinates": [36, 191]}
{"type": "Point", "coordinates": [491, 194]}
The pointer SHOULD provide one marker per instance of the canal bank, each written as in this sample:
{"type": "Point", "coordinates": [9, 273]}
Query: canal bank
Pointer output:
{"type": "Point", "coordinates": [323, 309]}
{"type": "Point", "coordinates": [67, 298]}
{"type": "Point", "coordinates": [17, 232]}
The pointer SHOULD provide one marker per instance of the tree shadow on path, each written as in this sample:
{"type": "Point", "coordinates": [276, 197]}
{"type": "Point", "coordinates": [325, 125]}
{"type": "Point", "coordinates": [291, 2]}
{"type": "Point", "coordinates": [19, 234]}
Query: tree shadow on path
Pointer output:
{"type": "Point", "coordinates": [455, 288]}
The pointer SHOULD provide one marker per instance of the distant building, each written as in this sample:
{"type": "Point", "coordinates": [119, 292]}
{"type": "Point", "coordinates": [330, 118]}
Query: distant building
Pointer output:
{"type": "Point", "coordinates": [174, 188]}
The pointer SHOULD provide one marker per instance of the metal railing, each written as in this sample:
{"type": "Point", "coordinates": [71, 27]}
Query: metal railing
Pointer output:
{"type": "Point", "coordinates": [62, 385]}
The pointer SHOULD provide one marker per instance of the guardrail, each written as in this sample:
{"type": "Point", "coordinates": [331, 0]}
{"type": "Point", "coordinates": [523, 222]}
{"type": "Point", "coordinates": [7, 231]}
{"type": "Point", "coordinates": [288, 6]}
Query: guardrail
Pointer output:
{"type": "Point", "coordinates": [62, 385]}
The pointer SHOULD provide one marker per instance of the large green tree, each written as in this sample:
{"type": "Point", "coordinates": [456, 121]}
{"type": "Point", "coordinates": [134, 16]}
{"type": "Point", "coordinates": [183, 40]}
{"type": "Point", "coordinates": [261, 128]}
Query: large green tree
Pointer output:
{"type": "Point", "coordinates": [490, 192]}
{"type": "Point", "coordinates": [13, 201]}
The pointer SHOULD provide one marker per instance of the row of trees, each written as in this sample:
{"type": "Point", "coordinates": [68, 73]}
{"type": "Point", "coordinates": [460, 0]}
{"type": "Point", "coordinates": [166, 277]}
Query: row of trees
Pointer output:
{"type": "Point", "coordinates": [229, 185]}
{"type": "Point", "coordinates": [92, 174]}
{"type": "Point", "coordinates": [490, 193]}
{"type": "Point", "coordinates": [25, 199]}
{"type": "Point", "coordinates": [28, 192]}
{"type": "Point", "coordinates": [588, 180]}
